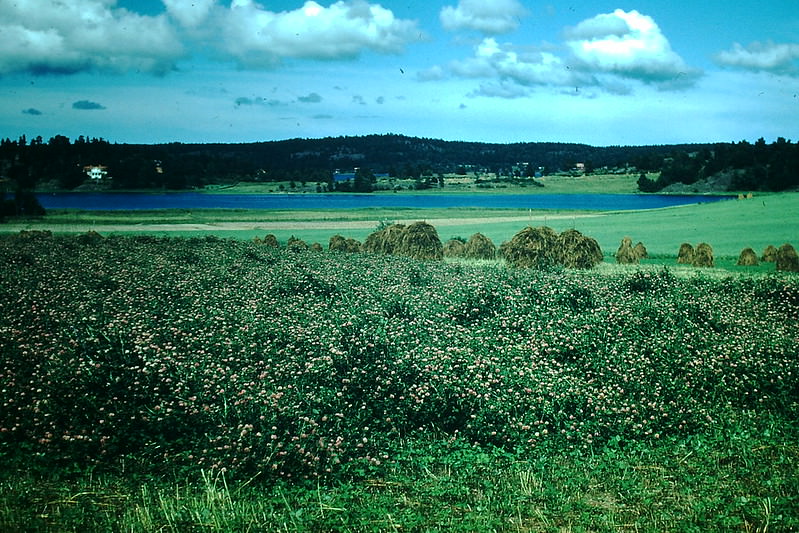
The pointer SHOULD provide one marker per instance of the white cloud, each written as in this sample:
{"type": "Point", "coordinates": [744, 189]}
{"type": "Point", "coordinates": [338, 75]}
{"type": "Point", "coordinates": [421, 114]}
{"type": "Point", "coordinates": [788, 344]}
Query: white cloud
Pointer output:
{"type": "Point", "coordinates": [510, 66]}
{"type": "Point", "coordinates": [189, 14]}
{"type": "Point", "coordinates": [491, 18]}
{"type": "Point", "coordinates": [627, 44]}
{"type": "Point", "coordinates": [258, 37]}
{"type": "Point", "coordinates": [769, 57]}
{"type": "Point", "coordinates": [52, 36]}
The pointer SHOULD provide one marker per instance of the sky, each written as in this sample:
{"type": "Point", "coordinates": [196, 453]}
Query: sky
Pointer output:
{"type": "Point", "coordinates": [603, 73]}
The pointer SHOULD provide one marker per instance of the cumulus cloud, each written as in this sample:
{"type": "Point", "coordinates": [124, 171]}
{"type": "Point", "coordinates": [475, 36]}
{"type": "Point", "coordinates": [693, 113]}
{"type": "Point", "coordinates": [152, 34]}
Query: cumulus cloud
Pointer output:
{"type": "Point", "coordinates": [31, 111]}
{"type": "Point", "coordinates": [608, 52]}
{"type": "Point", "coordinates": [87, 105]}
{"type": "Point", "coordinates": [312, 98]}
{"type": "Point", "coordinates": [511, 67]}
{"type": "Point", "coordinates": [53, 36]}
{"type": "Point", "coordinates": [189, 14]}
{"type": "Point", "coordinates": [258, 37]}
{"type": "Point", "coordinates": [627, 44]}
{"type": "Point", "coordinates": [768, 57]}
{"type": "Point", "coordinates": [491, 18]}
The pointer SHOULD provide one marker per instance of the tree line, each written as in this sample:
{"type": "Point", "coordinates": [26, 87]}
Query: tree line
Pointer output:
{"type": "Point", "coordinates": [60, 163]}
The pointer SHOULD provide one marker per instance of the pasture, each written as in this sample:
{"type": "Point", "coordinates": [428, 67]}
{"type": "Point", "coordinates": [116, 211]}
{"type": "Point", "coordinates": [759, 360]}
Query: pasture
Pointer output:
{"type": "Point", "coordinates": [205, 384]}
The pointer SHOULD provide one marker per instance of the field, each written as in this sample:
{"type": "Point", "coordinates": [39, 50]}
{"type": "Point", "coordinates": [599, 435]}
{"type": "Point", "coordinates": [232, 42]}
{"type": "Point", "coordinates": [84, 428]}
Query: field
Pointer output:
{"type": "Point", "coordinates": [727, 226]}
{"type": "Point", "coordinates": [204, 384]}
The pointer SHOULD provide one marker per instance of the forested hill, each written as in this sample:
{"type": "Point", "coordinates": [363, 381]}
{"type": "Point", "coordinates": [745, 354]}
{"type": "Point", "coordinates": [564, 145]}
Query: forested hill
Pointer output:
{"type": "Point", "coordinates": [62, 163]}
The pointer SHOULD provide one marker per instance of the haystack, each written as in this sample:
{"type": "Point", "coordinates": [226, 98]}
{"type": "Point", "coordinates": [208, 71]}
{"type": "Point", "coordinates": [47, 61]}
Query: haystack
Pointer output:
{"type": "Point", "coordinates": [769, 254]}
{"type": "Point", "coordinates": [748, 257]}
{"type": "Point", "coordinates": [352, 246]}
{"type": "Point", "coordinates": [271, 241]}
{"type": "Point", "coordinates": [454, 248]}
{"type": "Point", "coordinates": [337, 244]}
{"type": "Point", "coordinates": [384, 241]}
{"type": "Point", "coordinates": [640, 251]}
{"type": "Point", "coordinates": [296, 245]}
{"type": "Point", "coordinates": [626, 255]}
{"type": "Point", "coordinates": [703, 255]}
{"type": "Point", "coordinates": [420, 241]}
{"type": "Point", "coordinates": [787, 260]}
{"type": "Point", "coordinates": [575, 250]}
{"type": "Point", "coordinates": [686, 254]}
{"type": "Point", "coordinates": [479, 247]}
{"type": "Point", "coordinates": [531, 247]}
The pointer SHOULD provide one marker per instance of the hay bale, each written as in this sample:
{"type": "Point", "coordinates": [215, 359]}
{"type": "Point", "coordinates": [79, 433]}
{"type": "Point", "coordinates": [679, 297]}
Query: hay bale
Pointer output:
{"type": "Point", "coordinates": [271, 241]}
{"type": "Point", "coordinates": [640, 251]}
{"type": "Point", "coordinates": [787, 260]}
{"type": "Point", "coordinates": [352, 245]}
{"type": "Point", "coordinates": [420, 241]}
{"type": "Point", "coordinates": [337, 244]}
{"type": "Point", "coordinates": [454, 248]}
{"type": "Point", "coordinates": [686, 254]}
{"type": "Point", "coordinates": [384, 241]}
{"type": "Point", "coordinates": [748, 257]}
{"type": "Point", "coordinates": [626, 255]}
{"type": "Point", "coordinates": [769, 254]}
{"type": "Point", "coordinates": [90, 237]}
{"type": "Point", "coordinates": [703, 255]}
{"type": "Point", "coordinates": [575, 250]}
{"type": "Point", "coordinates": [296, 245]}
{"type": "Point", "coordinates": [531, 247]}
{"type": "Point", "coordinates": [479, 247]}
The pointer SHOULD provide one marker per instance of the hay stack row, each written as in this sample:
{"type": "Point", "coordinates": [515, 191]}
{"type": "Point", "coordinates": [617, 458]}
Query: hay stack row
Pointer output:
{"type": "Point", "coordinates": [701, 256]}
{"type": "Point", "coordinates": [418, 240]}
{"type": "Point", "coordinates": [785, 257]}
{"type": "Point", "coordinates": [543, 247]}
{"type": "Point", "coordinates": [627, 254]}
{"type": "Point", "coordinates": [477, 247]}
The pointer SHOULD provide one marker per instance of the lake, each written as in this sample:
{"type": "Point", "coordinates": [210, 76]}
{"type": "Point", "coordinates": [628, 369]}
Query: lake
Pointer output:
{"type": "Point", "coordinates": [194, 200]}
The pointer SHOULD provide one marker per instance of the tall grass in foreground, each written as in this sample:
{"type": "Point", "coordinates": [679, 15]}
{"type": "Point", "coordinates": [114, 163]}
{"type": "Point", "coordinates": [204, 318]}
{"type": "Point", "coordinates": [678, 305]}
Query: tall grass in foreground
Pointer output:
{"type": "Point", "coordinates": [734, 479]}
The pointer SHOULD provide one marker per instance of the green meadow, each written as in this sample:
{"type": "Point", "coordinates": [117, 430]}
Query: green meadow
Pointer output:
{"type": "Point", "coordinates": [727, 226]}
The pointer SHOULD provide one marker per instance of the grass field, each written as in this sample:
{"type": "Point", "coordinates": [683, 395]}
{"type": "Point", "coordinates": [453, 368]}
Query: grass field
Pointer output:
{"type": "Point", "coordinates": [727, 226]}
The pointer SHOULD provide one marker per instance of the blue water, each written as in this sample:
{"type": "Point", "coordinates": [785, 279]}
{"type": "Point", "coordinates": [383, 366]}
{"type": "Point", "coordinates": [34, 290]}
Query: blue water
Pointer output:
{"type": "Point", "coordinates": [193, 200]}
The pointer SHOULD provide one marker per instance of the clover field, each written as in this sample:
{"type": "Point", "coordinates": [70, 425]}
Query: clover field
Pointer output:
{"type": "Point", "coordinates": [155, 359]}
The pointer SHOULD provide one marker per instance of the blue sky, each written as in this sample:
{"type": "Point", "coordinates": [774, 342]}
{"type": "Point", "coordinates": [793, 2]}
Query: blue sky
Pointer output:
{"type": "Point", "coordinates": [602, 73]}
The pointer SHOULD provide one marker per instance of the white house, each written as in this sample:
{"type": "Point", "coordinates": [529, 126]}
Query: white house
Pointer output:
{"type": "Point", "coordinates": [96, 172]}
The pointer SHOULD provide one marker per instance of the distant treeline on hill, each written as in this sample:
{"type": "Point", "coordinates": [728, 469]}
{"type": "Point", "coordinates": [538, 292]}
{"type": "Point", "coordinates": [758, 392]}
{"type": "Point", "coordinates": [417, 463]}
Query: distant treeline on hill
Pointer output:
{"type": "Point", "coordinates": [65, 164]}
